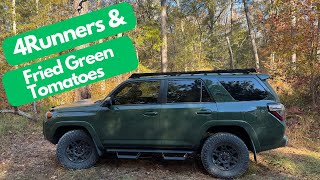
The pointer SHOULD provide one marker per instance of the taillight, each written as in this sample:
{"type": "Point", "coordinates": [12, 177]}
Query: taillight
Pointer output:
{"type": "Point", "coordinates": [277, 110]}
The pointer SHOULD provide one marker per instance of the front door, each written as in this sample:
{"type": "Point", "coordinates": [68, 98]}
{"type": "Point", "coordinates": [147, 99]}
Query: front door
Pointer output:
{"type": "Point", "coordinates": [133, 118]}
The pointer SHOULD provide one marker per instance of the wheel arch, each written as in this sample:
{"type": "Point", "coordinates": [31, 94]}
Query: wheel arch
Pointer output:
{"type": "Point", "coordinates": [239, 128]}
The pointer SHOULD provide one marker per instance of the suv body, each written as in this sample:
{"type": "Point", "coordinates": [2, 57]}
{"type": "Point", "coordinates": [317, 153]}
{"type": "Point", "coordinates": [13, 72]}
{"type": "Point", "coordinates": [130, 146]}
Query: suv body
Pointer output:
{"type": "Point", "coordinates": [177, 113]}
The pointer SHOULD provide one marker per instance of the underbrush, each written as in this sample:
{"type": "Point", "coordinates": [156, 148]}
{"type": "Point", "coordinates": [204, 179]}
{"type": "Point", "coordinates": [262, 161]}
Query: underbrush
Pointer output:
{"type": "Point", "coordinates": [303, 128]}
{"type": "Point", "coordinates": [14, 124]}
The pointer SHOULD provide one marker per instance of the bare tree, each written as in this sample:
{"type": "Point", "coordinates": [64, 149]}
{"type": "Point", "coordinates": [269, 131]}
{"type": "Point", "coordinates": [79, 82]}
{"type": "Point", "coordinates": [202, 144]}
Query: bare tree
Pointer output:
{"type": "Point", "coordinates": [14, 17]}
{"type": "Point", "coordinates": [230, 53]}
{"type": "Point", "coordinates": [228, 39]}
{"type": "Point", "coordinates": [293, 32]}
{"type": "Point", "coordinates": [14, 30]}
{"type": "Point", "coordinates": [251, 34]}
{"type": "Point", "coordinates": [35, 103]}
{"type": "Point", "coordinates": [164, 47]}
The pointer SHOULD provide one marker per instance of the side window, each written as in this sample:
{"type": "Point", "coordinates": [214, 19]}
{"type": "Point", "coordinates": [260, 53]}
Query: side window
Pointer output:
{"type": "Point", "coordinates": [187, 91]}
{"type": "Point", "coordinates": [244, 89]}
{"type": "Point", "coordinates": [146, 92]}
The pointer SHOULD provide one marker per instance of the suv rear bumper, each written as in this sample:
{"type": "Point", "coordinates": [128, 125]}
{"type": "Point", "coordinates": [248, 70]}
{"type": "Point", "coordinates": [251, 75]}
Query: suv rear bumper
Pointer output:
{"type": "Point", "coordinates": [285, 141]}
{"type": "Point", "coordinates": [282, 143]}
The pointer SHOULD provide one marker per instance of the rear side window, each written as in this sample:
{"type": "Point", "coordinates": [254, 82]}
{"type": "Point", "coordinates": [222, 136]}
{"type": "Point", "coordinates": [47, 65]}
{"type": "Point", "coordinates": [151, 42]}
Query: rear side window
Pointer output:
{"type": "Point", "coordinates": [187, 91]}
{"type": "Point", "coordinates": [244, 89]}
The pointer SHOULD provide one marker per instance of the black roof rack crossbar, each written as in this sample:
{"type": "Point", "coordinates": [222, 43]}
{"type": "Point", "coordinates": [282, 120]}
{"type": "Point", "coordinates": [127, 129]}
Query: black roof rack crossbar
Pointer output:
{"type": "Point", "coordinates": [242, 71]}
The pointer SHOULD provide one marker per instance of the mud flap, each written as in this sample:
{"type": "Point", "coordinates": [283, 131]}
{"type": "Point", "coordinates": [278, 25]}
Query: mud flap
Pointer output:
{"type": "Point", "coordinates": [254, 151]}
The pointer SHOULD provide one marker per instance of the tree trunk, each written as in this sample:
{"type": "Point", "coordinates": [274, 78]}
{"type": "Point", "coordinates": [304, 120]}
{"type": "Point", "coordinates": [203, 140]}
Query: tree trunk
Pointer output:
{"type": "Point", "coordinates": [82, 92]}
{"type": "Point", "coordinates": [230, 53]}
{"type": "Point", "coordinates": [14, 23]}
{"type": "Point", "coordinates": [103, 82]}
{"type": "Point", "coordinates": [318, 47]}
{"type": "Point", "coordinates": [293, 34]}
{"type": "Point", "coordinates": [164, 46]}
{"type": "Point", "coordinates": [315, 58]}
{"type": "Point", "coordinates": [37, 6]}
{"type": "Point", "coordinates": [251, 34]}
{"type": "Point", "coordinates": [313, 78]}
{"type": "Point", "coordinates": [228, 39]}
{"type": "Point", "coordinates": [14, 29]}
{"type": "Point", "coordinates": [98, 4]}
{"type": "Point", "coordinates": [272, 67]}
{"type": "Point", "coordinates": [35, 103]}
{"type": "Point", "coordinates": [231, 17]}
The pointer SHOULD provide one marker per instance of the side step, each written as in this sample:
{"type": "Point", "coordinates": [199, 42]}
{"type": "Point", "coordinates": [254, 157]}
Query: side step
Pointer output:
{"type": "Point", "coordinates": [176, 156]}
{"type": "Point", "coordinates": [128, 156]}
{"type": "Point", "coordinates": [166, 154]}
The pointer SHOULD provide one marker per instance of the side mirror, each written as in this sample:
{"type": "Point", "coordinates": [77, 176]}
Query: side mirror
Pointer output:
{"type": "Point", "coordinates": [108, 102]}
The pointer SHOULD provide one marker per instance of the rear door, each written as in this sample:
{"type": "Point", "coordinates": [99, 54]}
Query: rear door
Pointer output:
{"type": "Point", "coordinates": [187, 105]}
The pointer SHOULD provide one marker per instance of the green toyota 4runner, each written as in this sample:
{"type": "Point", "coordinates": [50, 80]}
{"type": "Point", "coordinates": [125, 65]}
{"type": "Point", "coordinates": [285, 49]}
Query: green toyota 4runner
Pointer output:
{"type": "Point", "coordinates": [220, 115]}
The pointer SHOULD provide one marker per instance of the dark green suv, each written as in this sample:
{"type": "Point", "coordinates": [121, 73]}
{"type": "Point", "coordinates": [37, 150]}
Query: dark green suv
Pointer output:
{"type": "Point", "coordinates": [220, 115]}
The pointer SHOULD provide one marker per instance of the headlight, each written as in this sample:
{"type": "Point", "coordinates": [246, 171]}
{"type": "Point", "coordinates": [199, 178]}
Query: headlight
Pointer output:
{"type": "Point", "coordinates": [49, 115]}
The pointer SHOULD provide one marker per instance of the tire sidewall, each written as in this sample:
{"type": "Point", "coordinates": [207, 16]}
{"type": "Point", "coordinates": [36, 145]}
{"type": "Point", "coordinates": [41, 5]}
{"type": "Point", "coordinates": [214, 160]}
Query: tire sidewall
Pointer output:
{"type": "Point", "coordinates": [225, 138]}
{"type": "Point", "coordinates": [64, 142]}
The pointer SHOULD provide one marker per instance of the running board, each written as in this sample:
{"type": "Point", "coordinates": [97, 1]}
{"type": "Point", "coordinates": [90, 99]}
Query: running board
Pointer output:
{"type": "Point", "coordinates": [166, 154]}
{"type": "Point", "coordinates": [126, 156]}
{"type": "Point", "coordinates": [182, 157]}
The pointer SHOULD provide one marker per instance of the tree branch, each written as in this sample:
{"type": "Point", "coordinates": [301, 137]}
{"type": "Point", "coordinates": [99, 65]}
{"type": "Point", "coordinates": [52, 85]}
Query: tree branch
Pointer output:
{"type": "Point", "coordinates": [20, 113]}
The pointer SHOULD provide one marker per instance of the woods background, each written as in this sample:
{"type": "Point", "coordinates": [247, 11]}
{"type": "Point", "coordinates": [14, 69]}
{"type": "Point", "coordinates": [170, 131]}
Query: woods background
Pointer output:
{"type": "Point", "coordinates": [277, 37]}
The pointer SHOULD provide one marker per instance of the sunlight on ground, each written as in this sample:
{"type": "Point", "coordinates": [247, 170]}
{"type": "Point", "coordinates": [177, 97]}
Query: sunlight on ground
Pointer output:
{"type": "Point", "coordinates": [4, 166]}
{"type": "Point", "coordinates": [301, 163]}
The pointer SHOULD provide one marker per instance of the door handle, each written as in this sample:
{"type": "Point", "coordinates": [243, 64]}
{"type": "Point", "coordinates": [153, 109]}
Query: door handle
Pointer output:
{"type": "Point", "coordinates": [204, 111]}
{"type": "Point", "coordinates": [152, 113]}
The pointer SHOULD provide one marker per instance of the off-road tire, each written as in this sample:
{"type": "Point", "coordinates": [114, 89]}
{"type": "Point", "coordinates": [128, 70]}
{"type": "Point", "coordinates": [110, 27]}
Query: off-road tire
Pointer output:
{"type": "Point", "coordinates": [210, 152]}
{"type": "Point", "coordinates": [68, 140]}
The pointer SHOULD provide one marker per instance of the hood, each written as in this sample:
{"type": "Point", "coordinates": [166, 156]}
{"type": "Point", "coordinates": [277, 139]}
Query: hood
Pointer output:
{"type": "Point", "coordinates": [82, 105]}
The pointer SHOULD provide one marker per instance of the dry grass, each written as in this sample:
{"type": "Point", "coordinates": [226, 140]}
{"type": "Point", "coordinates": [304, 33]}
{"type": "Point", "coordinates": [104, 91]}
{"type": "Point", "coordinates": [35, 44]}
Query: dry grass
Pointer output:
{"type": "Point", "coordinates": [26, 155]}
{"type": "Point", "coordinates": [303, 129]}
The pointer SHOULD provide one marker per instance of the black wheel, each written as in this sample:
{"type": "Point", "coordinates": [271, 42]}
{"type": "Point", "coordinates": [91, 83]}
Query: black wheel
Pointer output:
{"type": "Point", "coordinates": [225, 155]}
{"type": "Point", "coordinates": [76, 150]}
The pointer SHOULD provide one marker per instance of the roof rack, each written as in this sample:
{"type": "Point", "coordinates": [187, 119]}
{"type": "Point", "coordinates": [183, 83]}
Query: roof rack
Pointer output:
{"type": "Point", "coordinates": [241, 71]}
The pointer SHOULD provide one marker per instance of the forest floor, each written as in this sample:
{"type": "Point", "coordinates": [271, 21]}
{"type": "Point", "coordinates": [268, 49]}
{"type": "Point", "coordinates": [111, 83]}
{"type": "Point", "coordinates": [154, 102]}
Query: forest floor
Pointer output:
{"type": "Point", "coordinates": [25, 154]}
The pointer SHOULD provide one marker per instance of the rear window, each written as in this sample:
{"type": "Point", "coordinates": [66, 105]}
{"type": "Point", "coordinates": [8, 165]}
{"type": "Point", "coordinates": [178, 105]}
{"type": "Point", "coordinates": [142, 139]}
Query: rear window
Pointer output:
{"type": "Point", "coordinates": [244, 89]}
{"type": "Point", "coordinates": [273, 95]}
